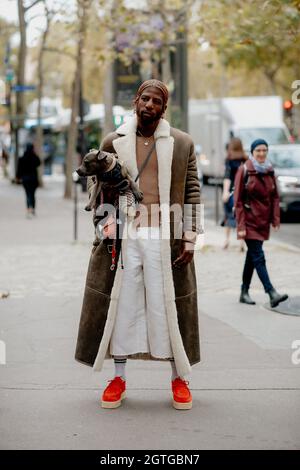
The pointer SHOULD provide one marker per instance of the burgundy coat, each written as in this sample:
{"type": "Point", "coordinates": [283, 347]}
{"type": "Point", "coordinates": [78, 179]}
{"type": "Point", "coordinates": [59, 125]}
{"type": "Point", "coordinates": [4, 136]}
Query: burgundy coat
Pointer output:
{"type": "Point", "coordinates": [260, 193]}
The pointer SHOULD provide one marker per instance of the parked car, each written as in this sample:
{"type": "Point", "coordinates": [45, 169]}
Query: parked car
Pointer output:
{"type": "Point", "coordinates": [286, 162]}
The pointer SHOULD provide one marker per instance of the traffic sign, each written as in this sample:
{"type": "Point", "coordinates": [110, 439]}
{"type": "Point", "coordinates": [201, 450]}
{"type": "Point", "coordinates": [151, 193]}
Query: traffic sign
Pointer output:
{"type": "Point", "coordinates": [9, 74]}
{"type": "Point", "coordinates": [21, 88]}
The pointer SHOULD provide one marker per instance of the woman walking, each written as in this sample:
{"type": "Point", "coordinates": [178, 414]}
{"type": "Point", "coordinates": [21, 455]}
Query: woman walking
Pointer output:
{"type": "Point", "coordinates": [235, 157]}
{"type": "Point", "coordinates": [27, 173]}
{"type": "Point", "coordinates": [256, 203]}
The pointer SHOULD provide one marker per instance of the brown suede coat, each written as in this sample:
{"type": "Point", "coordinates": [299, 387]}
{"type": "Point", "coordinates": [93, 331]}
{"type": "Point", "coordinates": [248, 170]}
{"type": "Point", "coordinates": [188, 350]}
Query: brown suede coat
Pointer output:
{"type": "Point", "coordinates": [96, 320]}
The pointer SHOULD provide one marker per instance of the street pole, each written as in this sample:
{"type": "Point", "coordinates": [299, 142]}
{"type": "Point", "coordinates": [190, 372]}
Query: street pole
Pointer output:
{"type": "Point", "coordinates": [75, 178]}
{"type": "Point", "coordinates": [81, 135]}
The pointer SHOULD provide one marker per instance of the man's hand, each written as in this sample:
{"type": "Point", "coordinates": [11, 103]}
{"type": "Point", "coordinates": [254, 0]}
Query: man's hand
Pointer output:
{"type": "Point", "coordinates": [186, 255]}
{"type": "Point", "coordinates": [275, 228]}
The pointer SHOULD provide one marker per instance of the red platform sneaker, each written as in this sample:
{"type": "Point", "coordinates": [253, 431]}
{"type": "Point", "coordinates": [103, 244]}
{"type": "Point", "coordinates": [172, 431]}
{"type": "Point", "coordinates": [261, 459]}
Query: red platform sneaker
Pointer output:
{"type": "Point", "coordinates": [114, 393]}
{"type": "Point", "coordinates": [182, 397]}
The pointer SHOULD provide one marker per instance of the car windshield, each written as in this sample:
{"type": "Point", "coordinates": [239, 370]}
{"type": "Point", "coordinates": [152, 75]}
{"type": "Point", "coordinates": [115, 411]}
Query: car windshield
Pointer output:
{"type": "Point", "coordinates": [273, 135]}
{"type": "Point", "coordinates": [285, 158]}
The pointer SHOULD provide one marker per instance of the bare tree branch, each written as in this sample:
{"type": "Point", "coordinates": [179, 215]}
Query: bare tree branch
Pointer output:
{"type": "Point", "coordinates": [34, 17]}
{"type": "Point", "coordinates": [32, 5]}
{"type": "Point", "coordinates": [58, 51]}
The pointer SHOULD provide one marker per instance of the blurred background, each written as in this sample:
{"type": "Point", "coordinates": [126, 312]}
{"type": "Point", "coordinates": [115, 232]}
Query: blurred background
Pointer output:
{"type": "Point", "coordinates": [69, 70]}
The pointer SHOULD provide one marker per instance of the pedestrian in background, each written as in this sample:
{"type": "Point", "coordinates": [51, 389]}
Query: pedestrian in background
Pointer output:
{"type": "Point", "coordinates": [256, 203]}
{"type": "Point", "coordinates": [28, 175]}
{"type": "Point", "coordinates": [235, 156]}
{"type": "Point", "coordinates": [5, 160]}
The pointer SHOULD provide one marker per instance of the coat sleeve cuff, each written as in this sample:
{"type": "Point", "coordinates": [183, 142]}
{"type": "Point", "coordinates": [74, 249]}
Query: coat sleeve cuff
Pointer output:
{"type": "Point", "coordinates": [189, 236]}
{"type": "Point", "coordinates": [191, 241]}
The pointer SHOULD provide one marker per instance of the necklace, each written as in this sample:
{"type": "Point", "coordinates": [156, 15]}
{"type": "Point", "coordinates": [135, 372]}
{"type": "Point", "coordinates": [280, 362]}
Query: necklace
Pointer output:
{"type": "Point", "coordinates": [147, 141]}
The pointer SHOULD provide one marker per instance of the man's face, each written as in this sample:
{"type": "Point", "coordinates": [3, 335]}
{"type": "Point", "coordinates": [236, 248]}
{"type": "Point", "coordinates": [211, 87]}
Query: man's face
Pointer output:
{"type": "Point", "coordinates": [150, 106]}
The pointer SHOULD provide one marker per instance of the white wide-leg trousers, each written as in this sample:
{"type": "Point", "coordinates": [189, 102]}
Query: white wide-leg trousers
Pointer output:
{"type": "Point", "coordinates": [141, 323]}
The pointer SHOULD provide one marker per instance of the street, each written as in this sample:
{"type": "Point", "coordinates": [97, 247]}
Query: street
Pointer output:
{"type": "Point", "coordinates": [245, 390]}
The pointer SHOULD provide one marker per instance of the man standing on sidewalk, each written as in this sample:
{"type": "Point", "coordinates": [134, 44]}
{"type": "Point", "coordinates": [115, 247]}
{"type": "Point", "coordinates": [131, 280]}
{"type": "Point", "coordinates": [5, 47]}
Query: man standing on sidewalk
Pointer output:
{"type": "Point", "coordinates": [148, 310]}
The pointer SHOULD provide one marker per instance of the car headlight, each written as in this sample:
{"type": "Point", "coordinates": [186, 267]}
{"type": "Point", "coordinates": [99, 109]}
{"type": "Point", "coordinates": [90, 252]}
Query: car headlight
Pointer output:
{"type": "Point", "coordinates": [287, 179]}
{"type": "Point", "coordinates": [203, 159]}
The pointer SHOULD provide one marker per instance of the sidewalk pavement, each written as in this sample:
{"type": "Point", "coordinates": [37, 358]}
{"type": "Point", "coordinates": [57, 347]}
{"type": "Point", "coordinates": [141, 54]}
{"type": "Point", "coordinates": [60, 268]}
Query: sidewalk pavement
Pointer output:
{"type": "Point", "coordinates": [245, 390]}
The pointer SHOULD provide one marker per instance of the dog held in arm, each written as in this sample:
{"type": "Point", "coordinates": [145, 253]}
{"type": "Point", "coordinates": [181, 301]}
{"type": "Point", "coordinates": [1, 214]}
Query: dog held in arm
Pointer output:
{"type": "Point", "coordinates": [109, 172]}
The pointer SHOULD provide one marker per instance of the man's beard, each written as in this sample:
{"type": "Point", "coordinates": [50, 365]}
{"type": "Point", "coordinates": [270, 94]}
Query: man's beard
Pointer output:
{"type": "Point", "coordinates": [146, 120]}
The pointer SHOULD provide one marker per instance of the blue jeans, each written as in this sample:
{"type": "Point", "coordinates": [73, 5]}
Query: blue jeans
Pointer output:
{"type": "Point", "coordinates": [255, 259]}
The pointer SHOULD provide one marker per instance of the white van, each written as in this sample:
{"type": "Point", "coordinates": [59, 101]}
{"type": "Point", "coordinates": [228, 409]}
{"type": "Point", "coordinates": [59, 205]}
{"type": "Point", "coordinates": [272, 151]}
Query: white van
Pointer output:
{"type": "Point", "coordinates": [258, 117]}
{"type": "Point", "coordinates": [214, 121]}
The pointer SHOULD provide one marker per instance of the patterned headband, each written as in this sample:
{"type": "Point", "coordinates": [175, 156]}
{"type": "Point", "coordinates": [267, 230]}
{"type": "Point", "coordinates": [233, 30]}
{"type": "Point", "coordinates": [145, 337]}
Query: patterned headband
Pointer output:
{"type": "Point", "coordinates": [156, 84]}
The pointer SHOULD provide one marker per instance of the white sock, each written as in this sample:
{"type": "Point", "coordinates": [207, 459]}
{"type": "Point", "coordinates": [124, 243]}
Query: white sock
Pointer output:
{"type": "Point", "coordinates": [120, 363]}
{"type": "Point", "coordinates": [174, 370]}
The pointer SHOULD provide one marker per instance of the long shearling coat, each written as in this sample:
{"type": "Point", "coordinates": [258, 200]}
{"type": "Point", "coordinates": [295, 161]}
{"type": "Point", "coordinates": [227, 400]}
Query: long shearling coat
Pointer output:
{"type": "Point", "coordinates": [178, 183]}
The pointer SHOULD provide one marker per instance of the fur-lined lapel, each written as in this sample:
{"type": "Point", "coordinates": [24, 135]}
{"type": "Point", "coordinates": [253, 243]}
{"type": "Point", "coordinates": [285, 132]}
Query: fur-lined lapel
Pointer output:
{"type": "Point", "coordinates": [125, 147]}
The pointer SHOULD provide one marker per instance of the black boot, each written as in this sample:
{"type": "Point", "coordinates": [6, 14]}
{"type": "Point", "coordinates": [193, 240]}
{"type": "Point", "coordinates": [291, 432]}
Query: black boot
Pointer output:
{"type": "Point", "coordinates": [276, 298]}
{"type": "Point", "coordinates": [245, 297]}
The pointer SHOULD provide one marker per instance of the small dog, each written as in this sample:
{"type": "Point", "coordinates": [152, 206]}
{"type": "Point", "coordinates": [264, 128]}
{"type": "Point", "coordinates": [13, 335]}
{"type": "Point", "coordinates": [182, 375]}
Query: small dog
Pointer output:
{"type": "Point", "coordinates": [109, 171]}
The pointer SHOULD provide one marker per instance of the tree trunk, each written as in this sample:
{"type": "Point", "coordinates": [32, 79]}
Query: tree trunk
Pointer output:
{"type": "Point", "coordinates": [71, 157]}
{"type": "Point", "coordinates": [108, 101]}
{"type": "Point", "coordinates": [39, 130]}
{"type": "Point", "coordinates": [108, 84]}
{"type": "Point", "coordinates": [71, 161]}
{"type": "Point", "coordinates": [20, 99]}
{"type": "Point", "coordinates": [167, 79]}
{"type": "Point", "coordinates": [166, 62]}
{"type": "Point", "coordinates": [272, 81]}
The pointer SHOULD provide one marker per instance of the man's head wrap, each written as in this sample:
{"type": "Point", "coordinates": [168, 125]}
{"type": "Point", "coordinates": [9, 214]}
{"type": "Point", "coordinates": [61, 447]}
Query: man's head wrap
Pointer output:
{"type": "Point", "coordinates": [156, 84]}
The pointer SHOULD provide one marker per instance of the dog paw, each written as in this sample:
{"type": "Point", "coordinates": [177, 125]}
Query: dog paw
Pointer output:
{"type": "Point", "coordinates": [139, 196]}
{"type": "Point", "coordinates": [131, 212]}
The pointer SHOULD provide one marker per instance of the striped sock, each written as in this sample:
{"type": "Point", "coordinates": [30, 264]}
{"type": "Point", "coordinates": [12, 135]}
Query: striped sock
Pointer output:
{"type": "Point", "coordinates": [174, 370]}
{"type": "Point", "coordinates": [120, 363]}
